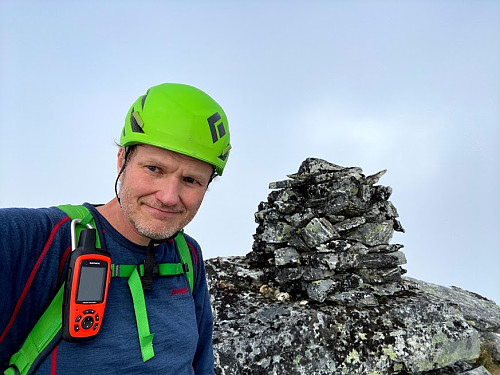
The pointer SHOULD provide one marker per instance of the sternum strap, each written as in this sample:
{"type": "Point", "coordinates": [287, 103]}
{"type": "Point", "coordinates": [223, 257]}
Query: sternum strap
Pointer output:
{"type": "Point", "coordinates": [163, 269]}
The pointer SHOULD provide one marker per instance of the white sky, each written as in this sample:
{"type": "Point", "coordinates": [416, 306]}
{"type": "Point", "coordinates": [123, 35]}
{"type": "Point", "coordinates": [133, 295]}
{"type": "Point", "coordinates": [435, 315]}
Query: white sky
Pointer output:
{"type": "Point", "coordinates": [409, 86]}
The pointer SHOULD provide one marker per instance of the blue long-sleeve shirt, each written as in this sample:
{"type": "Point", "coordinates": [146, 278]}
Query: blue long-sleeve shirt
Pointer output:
{"type": "Point", "coordinates": [34, 248]}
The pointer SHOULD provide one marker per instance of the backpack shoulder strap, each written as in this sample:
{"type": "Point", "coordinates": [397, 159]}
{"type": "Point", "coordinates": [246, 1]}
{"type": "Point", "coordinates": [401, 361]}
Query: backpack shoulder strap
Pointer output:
{"type": "Point", "coordinates": [42, 338]}
{"type": "Point", "coordinates": [77, 212]}
{"type": "Point", "coordinates": [83, 214]}
{"type": "Point", "coordinates": [186, 259]}
{"type": "Point", "coordinates": [47, 331]}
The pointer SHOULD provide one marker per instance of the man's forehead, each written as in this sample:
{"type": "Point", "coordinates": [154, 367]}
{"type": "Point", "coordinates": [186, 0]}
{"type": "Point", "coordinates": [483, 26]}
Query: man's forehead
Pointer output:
{"type": "Point", "coordinates": [161, 154]}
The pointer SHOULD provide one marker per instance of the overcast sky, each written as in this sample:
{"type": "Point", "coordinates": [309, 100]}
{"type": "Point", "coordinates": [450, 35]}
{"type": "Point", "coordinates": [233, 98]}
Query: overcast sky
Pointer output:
{"type": "Point", "coordinates": [408, 86]}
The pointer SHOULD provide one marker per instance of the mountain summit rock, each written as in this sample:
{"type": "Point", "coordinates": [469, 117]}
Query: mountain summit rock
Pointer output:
{"type": "Point", "coordinates": [323, 290]}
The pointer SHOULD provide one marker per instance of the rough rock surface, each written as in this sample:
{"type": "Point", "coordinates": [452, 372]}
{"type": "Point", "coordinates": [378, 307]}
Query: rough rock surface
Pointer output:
{"type": "Point", "coordinates": [323, 291]}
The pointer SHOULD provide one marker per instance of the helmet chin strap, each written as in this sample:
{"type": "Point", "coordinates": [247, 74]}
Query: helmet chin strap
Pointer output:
{"type": "Point", "coordinates": [128, 150]}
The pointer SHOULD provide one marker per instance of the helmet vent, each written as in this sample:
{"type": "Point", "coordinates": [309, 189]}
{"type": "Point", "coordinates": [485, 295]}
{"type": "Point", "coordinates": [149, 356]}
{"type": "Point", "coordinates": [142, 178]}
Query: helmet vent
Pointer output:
{"type": "Point", "coordinates": [225, 153]}
{"type": "Point", "coordinates": [136, 128]}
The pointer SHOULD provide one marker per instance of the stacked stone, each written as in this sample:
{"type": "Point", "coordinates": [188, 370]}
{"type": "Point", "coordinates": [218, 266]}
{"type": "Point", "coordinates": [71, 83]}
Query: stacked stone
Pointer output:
{"type": "Point", "coordinates": [325, 233]}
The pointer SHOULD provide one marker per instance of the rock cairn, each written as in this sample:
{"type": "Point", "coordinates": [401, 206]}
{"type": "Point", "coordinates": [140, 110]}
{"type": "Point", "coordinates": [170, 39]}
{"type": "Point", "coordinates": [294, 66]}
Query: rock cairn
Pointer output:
{"type": "Point", "coordinates": [324, 233]}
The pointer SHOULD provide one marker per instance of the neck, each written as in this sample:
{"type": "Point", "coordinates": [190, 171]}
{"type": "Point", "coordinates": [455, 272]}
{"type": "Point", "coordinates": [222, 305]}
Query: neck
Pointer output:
{"type": "Point", "coordinates": [114, 214]}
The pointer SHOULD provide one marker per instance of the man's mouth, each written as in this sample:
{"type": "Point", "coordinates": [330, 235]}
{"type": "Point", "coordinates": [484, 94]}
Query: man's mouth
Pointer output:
{"type": "Point", "coordinates": [163, 211]}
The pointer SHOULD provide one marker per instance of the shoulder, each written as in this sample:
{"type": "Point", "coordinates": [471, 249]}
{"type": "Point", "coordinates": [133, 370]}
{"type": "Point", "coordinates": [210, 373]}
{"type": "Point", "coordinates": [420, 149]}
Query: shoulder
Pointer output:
{"type": "Point", "coordinates": [28, 234]}
{"type": "Point", "coordinates": [194, 248]}
{"type": "Point", "coordinates": [19, 220]}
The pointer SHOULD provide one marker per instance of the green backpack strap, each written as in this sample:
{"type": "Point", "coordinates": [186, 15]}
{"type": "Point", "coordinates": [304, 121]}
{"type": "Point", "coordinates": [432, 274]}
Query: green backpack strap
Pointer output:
{"type": "Point", "coordinates": [185, 255]}
{"type": "Point", "coordinates": [47, 330]}
{"type": "Point", "coordinates": [82, 213]}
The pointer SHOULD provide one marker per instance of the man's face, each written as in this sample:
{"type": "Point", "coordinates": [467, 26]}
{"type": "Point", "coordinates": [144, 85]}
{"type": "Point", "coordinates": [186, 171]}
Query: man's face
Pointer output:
{"type": "Point", "coordinates": [161, 190]}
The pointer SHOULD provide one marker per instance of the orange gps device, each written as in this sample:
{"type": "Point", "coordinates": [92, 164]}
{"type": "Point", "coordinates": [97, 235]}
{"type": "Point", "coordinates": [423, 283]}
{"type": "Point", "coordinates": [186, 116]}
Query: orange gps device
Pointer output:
{"type": "Point", "coordinates": [86, 288]}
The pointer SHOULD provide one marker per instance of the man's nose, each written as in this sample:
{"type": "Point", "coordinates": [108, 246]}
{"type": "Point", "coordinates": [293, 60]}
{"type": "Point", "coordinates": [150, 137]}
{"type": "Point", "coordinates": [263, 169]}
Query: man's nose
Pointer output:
{"type": "Point", "coordinates": [169, 192]}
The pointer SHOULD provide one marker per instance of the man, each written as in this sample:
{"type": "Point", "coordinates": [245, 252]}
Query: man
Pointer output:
{"type": "Point", "coordinates": [174, 142]}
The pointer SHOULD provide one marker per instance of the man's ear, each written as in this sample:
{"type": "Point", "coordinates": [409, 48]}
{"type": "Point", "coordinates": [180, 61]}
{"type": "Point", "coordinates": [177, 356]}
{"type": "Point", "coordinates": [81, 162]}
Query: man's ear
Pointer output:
{"type": "Point", "coordinates": [120, 159]}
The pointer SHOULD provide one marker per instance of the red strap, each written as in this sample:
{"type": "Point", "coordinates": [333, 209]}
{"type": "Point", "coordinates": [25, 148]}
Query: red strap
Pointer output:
{"type": "Point", "coordinates": [53, 362]}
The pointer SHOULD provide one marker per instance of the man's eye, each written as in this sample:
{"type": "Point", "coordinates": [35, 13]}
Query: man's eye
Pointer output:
{"type": "Point", "coordinates": [190, 180]}
{"type": "Point", "coordinates": [152, 168]}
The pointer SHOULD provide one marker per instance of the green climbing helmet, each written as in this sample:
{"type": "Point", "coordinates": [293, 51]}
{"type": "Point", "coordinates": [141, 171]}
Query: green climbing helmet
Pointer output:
{"type": "Point", "coordinates": [179, 118]}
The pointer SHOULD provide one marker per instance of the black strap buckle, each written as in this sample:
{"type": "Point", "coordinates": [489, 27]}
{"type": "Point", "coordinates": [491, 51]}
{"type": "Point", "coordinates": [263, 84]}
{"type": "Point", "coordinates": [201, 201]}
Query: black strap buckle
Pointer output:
{"type": "Point", "coordinates": [150, 272]}
{"type": "Point", "coordinates": [156, 270]}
